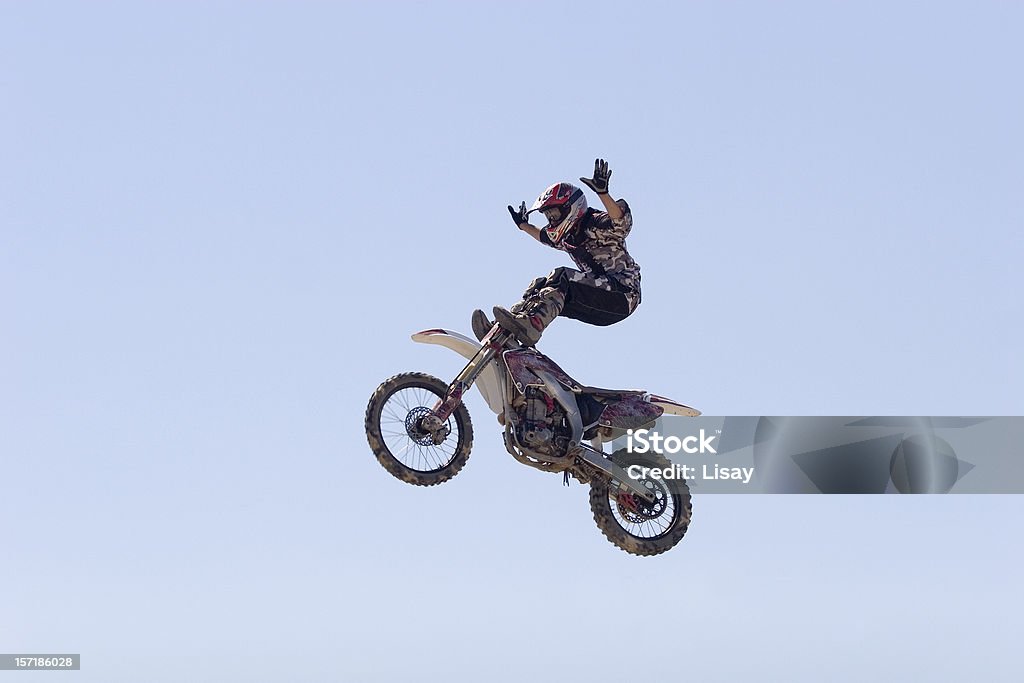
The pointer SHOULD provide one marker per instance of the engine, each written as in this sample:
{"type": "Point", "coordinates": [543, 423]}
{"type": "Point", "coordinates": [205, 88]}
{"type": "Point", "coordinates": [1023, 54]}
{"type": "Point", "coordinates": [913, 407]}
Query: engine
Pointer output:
{"type": "Point", "coordinates": [541, 425]}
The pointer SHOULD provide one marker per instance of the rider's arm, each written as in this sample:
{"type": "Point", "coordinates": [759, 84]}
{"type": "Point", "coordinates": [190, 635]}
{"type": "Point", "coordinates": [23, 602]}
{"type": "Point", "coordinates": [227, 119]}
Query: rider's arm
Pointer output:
{"type": "Point", "coordinates": [619, 220]}
{"type": "Point", "coordinates": [611, 206]}
{"type": "Point", "coordinates": [519, 218]}
{"type": "Point", "coordinates": [531, 230]}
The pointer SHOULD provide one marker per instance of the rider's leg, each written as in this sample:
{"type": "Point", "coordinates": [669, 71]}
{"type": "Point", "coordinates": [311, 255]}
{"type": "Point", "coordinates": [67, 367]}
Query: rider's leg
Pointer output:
{"type": "Point", "coordinates": [593, 299]}
{"type": "Point", "coordinates": [528, 319]}
{"type": "Point", "coordinates": [596, 305]}
{"type": "Point", "coordinates": [479, 321]}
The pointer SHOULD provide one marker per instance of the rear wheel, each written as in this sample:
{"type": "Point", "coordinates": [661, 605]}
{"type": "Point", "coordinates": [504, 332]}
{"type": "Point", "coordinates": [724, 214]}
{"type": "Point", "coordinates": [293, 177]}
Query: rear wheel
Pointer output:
{"type": "Point", "coordinates": [632, 523]}
{"type": "Point", "coordinates": [394, 428]}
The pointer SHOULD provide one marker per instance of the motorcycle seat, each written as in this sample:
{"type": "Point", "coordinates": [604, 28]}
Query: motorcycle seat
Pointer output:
{"type": "Point", "coordinates": [598, 392]}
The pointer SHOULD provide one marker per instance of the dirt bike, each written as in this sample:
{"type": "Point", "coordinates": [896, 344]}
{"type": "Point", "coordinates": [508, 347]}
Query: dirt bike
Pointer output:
{"type": "Point", "coordinates": [420, 431]}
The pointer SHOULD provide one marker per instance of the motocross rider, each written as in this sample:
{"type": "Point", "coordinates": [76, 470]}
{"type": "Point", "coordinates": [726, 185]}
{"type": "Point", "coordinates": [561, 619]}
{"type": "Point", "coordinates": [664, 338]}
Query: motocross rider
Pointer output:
{"type": "Point", "coordinates": [605, 289]}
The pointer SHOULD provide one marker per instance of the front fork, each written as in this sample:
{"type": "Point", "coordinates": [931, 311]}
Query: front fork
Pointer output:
{"type": "Point", "coordinates": [493, 343]}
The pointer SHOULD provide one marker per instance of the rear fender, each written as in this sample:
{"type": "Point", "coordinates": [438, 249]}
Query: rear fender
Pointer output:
{"type": "Point", "coordinates": [673, 407]}
{"type": "Point", "coordinates": [491, 382]}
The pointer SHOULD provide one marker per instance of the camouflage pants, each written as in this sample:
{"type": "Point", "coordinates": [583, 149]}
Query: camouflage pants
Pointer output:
{"type": "Point", "coordinates": [589, 298]}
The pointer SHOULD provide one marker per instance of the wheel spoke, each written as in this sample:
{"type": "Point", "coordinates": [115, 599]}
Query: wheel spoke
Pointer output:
{"type": "Point", "coordinates": [413, 449]}
{"type": "Point", "coordinates": [649, 520]}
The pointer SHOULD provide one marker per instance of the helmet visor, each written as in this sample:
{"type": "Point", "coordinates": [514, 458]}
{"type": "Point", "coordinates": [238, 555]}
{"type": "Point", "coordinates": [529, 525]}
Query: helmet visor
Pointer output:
{"type": "Point", "coordinates": [554, 214]}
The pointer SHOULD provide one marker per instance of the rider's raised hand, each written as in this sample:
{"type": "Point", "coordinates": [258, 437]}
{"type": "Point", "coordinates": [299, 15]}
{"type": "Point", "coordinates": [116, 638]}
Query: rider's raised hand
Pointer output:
{"type": "Point", "coordinates": [520, 215]}
{"type": "Point", "coordinates": [599, 183]}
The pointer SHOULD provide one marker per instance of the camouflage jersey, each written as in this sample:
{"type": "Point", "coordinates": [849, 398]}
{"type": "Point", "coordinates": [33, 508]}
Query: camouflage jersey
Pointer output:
{"type": "Point", "coordinates": [598, 246]}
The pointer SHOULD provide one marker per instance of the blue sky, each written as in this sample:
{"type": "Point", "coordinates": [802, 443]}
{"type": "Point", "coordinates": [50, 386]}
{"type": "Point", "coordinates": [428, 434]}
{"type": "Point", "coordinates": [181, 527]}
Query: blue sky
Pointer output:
{"type": "Point", "coordinates": [221, 222]}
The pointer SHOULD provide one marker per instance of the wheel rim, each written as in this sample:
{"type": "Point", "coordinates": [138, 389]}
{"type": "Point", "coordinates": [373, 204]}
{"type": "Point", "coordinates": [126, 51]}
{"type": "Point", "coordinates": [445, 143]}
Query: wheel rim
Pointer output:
{"type": "Point", "coordinates": [400, 414]}
{"type": "Point", "coordinates": [641, 519]}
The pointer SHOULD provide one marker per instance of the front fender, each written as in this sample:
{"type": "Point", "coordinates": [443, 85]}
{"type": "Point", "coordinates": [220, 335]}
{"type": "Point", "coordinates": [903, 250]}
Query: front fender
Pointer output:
{"type": "Point", "coordinates": [491, 382]}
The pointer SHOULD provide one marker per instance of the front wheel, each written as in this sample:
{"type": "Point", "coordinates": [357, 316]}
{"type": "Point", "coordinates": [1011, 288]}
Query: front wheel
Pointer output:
{"type": "Point", "coordinates": [630, 522]}
{"type": "Point", "coordinates": [394, 420]}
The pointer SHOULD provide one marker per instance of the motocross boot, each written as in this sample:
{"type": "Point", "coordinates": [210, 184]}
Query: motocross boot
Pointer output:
{"type": "Point", "coordinates": [481, 325]}
{"type": "Point", "coordinates": [528, 319]}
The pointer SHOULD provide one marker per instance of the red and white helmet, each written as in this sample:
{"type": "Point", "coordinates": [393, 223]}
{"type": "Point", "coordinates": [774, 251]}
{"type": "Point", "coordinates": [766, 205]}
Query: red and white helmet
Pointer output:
{"type": "Point", "coordinates": [563, 205]}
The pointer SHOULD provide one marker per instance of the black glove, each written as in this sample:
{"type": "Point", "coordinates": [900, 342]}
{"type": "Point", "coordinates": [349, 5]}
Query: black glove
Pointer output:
{"type": "Point", "coordinates": [599, 183]}
{"type": "Point", "coordinates": [521, 215]}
